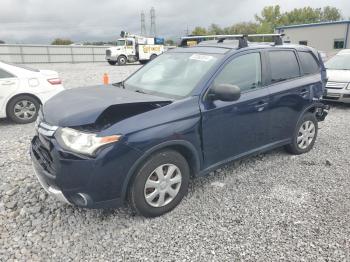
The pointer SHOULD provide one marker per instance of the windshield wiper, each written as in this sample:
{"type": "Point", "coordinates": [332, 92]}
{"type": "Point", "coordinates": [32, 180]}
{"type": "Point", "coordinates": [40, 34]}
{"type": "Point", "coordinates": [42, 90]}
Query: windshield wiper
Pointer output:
{"type": "Point", "coordinates": [119, 84]}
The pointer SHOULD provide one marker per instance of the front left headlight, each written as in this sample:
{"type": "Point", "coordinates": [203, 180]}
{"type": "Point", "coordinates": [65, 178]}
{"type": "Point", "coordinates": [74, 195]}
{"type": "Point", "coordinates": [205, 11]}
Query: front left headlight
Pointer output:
{"type": "Point", "coordinates": [82, 142]}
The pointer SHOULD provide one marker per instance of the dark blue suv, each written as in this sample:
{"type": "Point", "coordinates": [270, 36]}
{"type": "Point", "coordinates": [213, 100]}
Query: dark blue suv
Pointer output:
{"type": "Point", "coordinates": [185, 114]}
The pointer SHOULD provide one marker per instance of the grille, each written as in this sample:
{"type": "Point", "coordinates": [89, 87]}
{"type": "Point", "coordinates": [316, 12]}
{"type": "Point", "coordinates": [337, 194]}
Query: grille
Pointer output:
{"type": "Point", "coordinates": [108, 53]}
{"type": "Point", "coordinates": [42, 155]}
{"type": "Point", "coordinates": [336, 85]}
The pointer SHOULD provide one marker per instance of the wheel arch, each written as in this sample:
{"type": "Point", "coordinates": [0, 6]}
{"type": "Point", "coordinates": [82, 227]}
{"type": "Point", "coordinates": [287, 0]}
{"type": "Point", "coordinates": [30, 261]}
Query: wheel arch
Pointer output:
{"type": "Point", "coordinates": [185, 148]}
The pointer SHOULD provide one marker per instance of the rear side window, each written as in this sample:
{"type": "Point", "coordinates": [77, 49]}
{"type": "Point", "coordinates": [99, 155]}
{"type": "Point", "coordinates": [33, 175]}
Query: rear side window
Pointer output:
{"type": "Point", "coordinates": [4, 74]}
{"type": "Point", "coordinates": [308, 63]}
{"type": "Point", "coordinates": [284, 65]}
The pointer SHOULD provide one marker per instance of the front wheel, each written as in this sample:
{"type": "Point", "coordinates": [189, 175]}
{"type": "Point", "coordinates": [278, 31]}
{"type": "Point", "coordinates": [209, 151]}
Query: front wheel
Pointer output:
{"type": "Point", "coordinates": [122, 60]}
{"type": "Point", "coordinates": [305, 135]}
{"type": "Point", "coordinates": [160, 184]}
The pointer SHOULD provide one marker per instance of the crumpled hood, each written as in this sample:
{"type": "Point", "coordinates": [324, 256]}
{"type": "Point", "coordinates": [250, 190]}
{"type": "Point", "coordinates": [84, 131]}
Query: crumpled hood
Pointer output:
{"type": "Point", "coordinates": [82, 106]}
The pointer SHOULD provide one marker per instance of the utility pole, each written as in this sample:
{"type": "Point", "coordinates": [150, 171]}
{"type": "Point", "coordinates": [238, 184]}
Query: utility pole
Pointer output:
{"type": "Point", "coordinates": [143, 24]}
{"type": "Point", "coordinates": [153, 31]}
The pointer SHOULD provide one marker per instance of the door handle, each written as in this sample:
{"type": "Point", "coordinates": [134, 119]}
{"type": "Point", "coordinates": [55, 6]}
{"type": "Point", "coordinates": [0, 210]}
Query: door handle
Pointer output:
{"type": "Point", "coordinates": [304, 92]}
{"type": "Point", "coordinates": [261, 105]}
{"type": "Point", "coordinates": [7, 83]}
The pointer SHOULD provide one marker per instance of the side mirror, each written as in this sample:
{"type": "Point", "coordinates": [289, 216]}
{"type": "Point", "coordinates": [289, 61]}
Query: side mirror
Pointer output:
{"type": "Point", "coordinates": [225, 92]}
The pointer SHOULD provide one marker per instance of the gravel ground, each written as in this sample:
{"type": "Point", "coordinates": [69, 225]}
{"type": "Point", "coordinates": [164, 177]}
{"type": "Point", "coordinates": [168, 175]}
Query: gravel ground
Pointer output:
{"type": "Point", "coordinates": [271, 207]}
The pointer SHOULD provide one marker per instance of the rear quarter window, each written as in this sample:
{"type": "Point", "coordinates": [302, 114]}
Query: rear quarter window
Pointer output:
{"type": "Point", "coordinates": [5, 74]}
{"type": "Point", "coordinates": [308, 63]}
{"type": "Point", "coordinates": [284, 65]}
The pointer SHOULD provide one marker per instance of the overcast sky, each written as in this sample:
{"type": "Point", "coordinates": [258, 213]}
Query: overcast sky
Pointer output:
{"type": "Point", "coordinates": [40, 21]}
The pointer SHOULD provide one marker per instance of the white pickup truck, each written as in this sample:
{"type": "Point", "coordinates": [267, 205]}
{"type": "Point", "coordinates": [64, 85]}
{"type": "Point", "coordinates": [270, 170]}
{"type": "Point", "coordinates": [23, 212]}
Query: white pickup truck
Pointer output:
{"type": "Point", "coordinates": [133, 48]}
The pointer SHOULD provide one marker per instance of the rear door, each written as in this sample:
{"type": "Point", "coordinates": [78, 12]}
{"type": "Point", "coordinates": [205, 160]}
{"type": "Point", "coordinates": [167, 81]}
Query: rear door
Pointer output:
{"type": "Point", "coordinates": [291, 92]}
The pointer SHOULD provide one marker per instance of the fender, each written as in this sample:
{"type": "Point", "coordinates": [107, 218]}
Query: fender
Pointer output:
{"type": "Point", "coordinates": [146, 154]}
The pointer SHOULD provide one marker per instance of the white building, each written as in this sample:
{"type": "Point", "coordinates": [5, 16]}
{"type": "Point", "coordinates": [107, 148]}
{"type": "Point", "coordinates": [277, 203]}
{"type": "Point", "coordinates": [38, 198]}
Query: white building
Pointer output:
{"type": "Point", "coordinates": [327, 36]}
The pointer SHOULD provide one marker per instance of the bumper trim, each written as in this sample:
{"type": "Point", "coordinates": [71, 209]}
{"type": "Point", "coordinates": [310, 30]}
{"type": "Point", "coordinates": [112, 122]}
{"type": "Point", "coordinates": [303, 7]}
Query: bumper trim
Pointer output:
{"type": "Point", "coordinates": [51, 190]}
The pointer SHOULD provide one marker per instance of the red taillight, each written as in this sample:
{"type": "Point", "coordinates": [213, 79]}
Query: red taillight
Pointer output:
{"type": "Point", "coordinates": [55, 81]}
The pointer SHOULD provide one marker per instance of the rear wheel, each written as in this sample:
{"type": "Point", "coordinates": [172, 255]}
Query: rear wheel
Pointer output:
{"type": "Point", "coordinates": [143, 62]}
{"type": "Point", "coordinates": [153, 57]}
{"type": "Point", "coordinates": [122, 60]}
{"type": "Point", "coordinates": [23, 109]}
{"type": "Point", "coordinates": [112, 62]}
{"type": "Point", "coordinates": [305, 135]}
{"type": "Point", "coordinates": [160, 184]}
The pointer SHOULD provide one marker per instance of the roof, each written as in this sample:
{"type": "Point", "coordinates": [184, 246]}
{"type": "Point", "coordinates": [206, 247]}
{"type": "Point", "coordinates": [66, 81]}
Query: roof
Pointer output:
{"type": "Point", "coordinates": [314, 24]}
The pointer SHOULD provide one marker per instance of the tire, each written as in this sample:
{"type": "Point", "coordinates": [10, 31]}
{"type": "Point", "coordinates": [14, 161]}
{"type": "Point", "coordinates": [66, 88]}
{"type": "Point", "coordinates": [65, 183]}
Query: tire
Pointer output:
{"type": "Point", "coordinates": [143, 62]}
{"type": "Point", "coordinates": [152, 57]}
{"type": "Point", "coordinates": [23, 109]}
{"type": "Point", "coordinates": [168, 162]}
{"type": "Point", "coordinates": [112, 62]}
{"type": "Point", "coordinates": [122, 60]}
{"type": "Point", "coordinates": [304, 142]}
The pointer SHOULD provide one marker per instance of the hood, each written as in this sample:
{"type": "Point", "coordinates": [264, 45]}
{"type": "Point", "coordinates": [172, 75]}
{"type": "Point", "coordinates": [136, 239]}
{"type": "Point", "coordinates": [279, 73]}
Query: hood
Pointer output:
{"type": "Point", "coordinates": [103, 104]}
{"type": "Point", "coordinates": [338, 75]}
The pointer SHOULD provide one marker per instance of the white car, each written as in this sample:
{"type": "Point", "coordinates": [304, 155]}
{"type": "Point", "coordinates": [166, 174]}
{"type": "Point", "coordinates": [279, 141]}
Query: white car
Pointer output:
{"type": "Point", "coordinates": [23, 90]}
{"type": "Point", "coordinates": [338, 73]}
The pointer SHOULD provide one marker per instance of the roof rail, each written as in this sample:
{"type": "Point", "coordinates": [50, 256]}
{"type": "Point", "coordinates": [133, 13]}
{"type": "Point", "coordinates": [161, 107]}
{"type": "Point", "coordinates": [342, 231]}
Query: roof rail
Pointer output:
{"type": "Point", "coordinates": [277, 38]}
{"type": "Point", "coordinates": [242, 38]}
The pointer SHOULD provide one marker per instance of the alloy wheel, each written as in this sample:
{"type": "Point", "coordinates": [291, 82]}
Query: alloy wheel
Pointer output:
{"type": "Point", "coordinates": [162, 185]}
{"type": "Point", "coordinates": [306, 134]}
{"type": "Point", "coordinates": [24, 109]}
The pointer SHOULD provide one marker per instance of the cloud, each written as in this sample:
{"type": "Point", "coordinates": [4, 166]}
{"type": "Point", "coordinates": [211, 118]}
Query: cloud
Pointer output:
{"type": "Point", "coordinates": [40, 21]}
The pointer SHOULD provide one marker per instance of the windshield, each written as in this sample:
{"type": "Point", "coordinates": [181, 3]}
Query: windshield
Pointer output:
{"type": "Point", "coordinates": [339, 62]}
{"type": "Point", "coordinates": [120, 42]}
{"type": "Point", "coordinates": [172, 75]}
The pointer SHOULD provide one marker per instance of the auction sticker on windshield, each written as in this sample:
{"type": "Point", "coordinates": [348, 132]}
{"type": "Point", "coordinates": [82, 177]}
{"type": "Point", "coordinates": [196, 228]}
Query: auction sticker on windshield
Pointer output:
{"type": "Point", "coordinates": [204, 58]}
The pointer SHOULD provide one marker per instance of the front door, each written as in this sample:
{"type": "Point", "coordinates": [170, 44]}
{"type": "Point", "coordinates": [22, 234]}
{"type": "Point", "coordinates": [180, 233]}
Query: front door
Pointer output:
{"type": "Point", "coordinates": [232, 129]}
{"type": "Point", "coordinates": [8, 86]}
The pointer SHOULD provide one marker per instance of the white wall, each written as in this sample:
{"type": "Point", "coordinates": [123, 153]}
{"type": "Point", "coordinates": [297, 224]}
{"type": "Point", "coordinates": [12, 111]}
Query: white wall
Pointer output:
{"type": "Point", "coordinates": [320, 37]}
{"type": "Point", "coordinates": [51, 53]}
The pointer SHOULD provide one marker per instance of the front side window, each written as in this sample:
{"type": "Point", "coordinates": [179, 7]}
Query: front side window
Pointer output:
{"type": "Point", "coordinates": [308, 63]}
{"type": "Point", "coordinates": [172, 75]}
{"type": "Point", "coordinates": [121, 43]}
{"type": "Point", "coordinates": [4, 74]}
{"type": "Point", "coordinates": [243, 71]}
{"type": "Point", "coordinates": [284, 65]}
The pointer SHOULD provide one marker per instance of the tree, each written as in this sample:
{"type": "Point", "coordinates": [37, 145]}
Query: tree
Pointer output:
{"type": "Point", "coordinates": [214, 29]}
{"type": "Point", "coordinates": [242, 28]}
{"type": "Point", "coordinates": [170, 42]}
{"type": "Point", "coordinates": [61, 41]}
{"type": "Point", "coordinates": [2, 42]}
{"type": "Point", "coordinates": [331, 14]}
{"type": "Point", "coordinates": [199, 31]}
{"type": "Point", "coordinates": [270, 18]}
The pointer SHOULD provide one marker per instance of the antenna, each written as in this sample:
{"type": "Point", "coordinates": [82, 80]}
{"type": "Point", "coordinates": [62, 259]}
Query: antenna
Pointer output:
{"type": "Point", "coordinates": [153, 31]}
{"type": "Point", "coordinates": [143, 24]}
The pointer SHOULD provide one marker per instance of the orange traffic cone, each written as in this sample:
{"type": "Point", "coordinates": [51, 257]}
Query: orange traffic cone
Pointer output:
{"type": "Point", "coordinates": [105, 79]}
